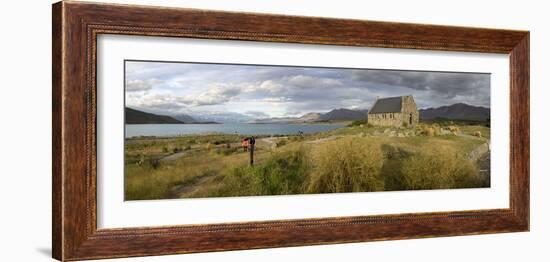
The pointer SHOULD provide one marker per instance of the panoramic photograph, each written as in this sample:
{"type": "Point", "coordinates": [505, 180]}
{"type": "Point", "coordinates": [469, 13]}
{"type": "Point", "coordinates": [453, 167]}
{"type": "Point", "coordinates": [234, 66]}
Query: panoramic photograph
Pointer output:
{"type": "Point", "coordinates": [200, 130]}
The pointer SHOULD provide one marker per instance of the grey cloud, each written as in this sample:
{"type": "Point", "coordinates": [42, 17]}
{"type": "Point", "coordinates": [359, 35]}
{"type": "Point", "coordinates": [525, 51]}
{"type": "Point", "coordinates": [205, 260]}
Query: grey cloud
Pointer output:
{"type": "Point", "coordinates": [414, 80]}
{"type": "Point", "coordinates": [216, 94]}
{"type": "Point", "coordinates": [207, 87]}
{"type": "Point", "coordinates": [140, 85]}
{"type": "Point", "coordinates": [445, 84]}
{"type": "Point", "coordinates": [156, 103]}
{"type": "Point", "coordinates": [306, 81]}
{"type": "Point", "coordinates": [256, 114]}
{"type": "Point", "coordinates": [270, 86]}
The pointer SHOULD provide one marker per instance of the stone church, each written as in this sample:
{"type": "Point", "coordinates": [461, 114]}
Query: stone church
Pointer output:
{"type": "Point", "coordinates": [397, 111]}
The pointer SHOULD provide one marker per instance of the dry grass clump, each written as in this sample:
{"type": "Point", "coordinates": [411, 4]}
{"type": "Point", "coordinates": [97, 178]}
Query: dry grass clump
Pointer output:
{"type": "Point", "coordinates": [439, 170]}
{"type": "Point", "coordinates": [429, 130]}
{"type": "Point", "coordinates": [484, 132]}
{"type": "Point", "coordinates": [424, 130]}
{"type": "Point", "coordinates": [346, 165]}
{"type": "Point", "coordinates": [454, 129]}
{"type": "Point", "coordinates": [281, 142]}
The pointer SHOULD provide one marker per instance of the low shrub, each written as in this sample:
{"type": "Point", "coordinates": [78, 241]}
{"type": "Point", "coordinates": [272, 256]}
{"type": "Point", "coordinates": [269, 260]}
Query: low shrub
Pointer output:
{"type": "Point", "coordinates": [281, 142]}
{"type": "Point", "coordinates": [154, 163]}
{"type": "Point", "coordinates": [281, 174]}
{"type": "Point", "coordinates": [224, 151]}
{"type": "Point", "coordinates": [176, 150]}
{"type": "Point", "coordinates": [361, 123]}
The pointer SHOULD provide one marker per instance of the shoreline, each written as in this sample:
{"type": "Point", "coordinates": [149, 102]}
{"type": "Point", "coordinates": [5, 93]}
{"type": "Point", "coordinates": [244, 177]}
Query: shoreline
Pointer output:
{"type": "Point", "coordinates": [233, 130]}
{"type": "Point", "coordinates": [208, 134]}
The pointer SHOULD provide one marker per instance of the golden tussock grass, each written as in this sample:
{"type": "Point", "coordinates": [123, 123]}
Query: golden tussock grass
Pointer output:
{"type": "Point", "coordinates": [441, 169]}
{"type": "Point", "coordinates": [346, 165]}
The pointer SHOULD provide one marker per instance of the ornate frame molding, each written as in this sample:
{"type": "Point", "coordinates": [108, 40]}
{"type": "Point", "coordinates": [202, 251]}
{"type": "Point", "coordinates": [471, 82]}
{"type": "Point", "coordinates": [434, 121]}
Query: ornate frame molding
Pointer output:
{"type": "Point", "coordinates": [76, 26]}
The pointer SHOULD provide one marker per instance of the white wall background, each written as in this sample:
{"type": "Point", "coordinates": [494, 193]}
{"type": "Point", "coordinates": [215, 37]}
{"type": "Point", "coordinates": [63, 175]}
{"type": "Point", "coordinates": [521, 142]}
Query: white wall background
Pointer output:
{"type": "Point", "coordinates": [25, 147]}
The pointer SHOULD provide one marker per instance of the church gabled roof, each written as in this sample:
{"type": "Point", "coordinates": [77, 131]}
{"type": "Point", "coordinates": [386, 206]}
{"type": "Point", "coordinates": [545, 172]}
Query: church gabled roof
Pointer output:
{"type": "Point", "coordinates": [387, 105]}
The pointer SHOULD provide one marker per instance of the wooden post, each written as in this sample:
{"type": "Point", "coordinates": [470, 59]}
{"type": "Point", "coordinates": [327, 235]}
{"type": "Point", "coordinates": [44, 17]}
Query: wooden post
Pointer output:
{"type": "Point", "coordinates": [251, 142]}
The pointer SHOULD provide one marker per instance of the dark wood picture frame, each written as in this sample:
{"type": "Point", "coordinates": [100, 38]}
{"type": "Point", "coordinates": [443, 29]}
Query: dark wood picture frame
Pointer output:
{"type": "Point", "coordinates": [76, 26]}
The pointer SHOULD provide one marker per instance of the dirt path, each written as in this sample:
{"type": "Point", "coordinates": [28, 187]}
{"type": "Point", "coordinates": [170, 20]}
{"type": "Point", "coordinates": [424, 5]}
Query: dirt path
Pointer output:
{"type": "Point", "coordinates": [330, 138]}
{"type": "Point", "coordinates": [185, 189]}
{"type": "Point", "coordinates": [270, 142]}
{"type": "Point", "coordinates": [174, 156]}
{"type": "Point", "coordinates": [473, 137]}
{"type": "Point", "coordinates": [479, 152]}
{"type": "Point", "coordinates": [485, 164]}
{"type": "Point", "coordinates": [267, 142]}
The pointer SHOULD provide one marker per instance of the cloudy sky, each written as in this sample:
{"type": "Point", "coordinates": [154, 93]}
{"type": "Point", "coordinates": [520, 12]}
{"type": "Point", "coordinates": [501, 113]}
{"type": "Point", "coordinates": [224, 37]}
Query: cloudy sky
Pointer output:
{"type": "Point", "coordinates": [281, 91]}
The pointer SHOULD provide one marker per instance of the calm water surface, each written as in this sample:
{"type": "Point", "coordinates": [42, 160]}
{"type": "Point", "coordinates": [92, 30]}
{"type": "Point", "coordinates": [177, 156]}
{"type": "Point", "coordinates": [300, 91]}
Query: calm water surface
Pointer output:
{"type": "Point", "coordinates": [234, 128]}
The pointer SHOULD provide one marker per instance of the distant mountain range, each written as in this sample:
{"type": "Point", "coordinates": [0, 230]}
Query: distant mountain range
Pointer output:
{"type": "Point", "coordinates": [138, 117]}
{"type": "Point", "coordinates": [458, 111]}
{"type": "Point", "coordinates": [185, 118]}
{"type": "Point", "coordinates": [344, 114]}
{"type": "Point", "coordinates": [134, 116]}
{"type": "Point", "coordinates": [221, 117]}
{"type": "Point", "coordinates": [341, 114]}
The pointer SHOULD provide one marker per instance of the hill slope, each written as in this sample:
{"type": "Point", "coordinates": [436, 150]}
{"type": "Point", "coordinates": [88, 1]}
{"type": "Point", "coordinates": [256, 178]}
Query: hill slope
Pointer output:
{"type": "Point", "coordinates": [341, 114]}
{"type": "Point", "coordinates": [456, 112]}
{"type": "Point", "coordinates": [344, 114]}
{"type": "Point", "coordinates": [138, 117]}
{"type": "Point", "coordinates": [185, 118]}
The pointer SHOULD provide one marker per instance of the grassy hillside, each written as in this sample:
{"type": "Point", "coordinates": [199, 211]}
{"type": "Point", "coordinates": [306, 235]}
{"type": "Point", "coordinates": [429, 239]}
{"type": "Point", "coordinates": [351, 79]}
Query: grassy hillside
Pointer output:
{"type": "Point", "coordinates": [358, 158]}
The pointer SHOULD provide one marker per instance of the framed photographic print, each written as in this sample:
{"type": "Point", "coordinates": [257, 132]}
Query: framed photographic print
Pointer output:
{"type": "Point", "coordinates": [182, 130]}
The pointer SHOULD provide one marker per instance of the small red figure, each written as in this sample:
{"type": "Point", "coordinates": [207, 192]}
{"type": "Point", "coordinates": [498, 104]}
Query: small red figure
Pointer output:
{"type": "Point", "coordinates": [245, 144]}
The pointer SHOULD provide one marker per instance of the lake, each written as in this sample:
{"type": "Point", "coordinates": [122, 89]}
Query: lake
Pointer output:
{"type": "Point", "coordinates": [228, 128]}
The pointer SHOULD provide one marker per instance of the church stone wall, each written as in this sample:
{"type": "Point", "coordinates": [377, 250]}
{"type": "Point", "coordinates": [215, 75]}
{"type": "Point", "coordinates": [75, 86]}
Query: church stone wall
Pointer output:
{"type": "Point", "coordinates": [386, 119]}
{"type": "Point", "coordinates": [408, 117]}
